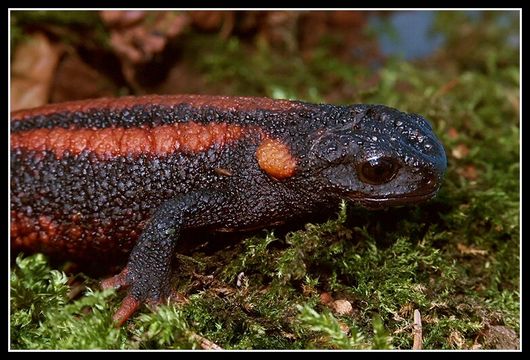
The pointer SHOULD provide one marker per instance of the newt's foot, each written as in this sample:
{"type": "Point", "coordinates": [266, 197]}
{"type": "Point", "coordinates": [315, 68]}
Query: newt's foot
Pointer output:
{"type": "Point", "coordinates": [140, 291]}
{"type": "Point", "coordinates": [129, 305]}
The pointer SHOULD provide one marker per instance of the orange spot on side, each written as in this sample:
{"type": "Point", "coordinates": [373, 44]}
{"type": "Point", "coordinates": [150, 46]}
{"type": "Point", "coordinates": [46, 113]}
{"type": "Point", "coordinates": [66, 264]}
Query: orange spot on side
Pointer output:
{"type": "Point", "coordinates": [275, 158]}
{"type": "Point", "coordinates": [110, 142]}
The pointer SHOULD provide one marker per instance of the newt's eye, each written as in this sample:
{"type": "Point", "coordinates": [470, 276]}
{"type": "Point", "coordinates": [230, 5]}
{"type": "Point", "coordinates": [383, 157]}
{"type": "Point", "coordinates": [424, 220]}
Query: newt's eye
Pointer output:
{"type": "Point", "coordinates": [378, 171]}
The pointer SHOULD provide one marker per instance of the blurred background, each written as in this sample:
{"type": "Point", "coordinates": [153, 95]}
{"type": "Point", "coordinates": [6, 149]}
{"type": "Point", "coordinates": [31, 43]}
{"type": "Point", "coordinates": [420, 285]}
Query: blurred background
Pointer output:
{"type": "Point", "coordinates": [328, 56]}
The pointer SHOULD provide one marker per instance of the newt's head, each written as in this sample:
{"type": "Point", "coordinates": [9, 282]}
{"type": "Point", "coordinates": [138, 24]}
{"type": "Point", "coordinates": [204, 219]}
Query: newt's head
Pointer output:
{"type": "Point", "coordinates": [379, 156]}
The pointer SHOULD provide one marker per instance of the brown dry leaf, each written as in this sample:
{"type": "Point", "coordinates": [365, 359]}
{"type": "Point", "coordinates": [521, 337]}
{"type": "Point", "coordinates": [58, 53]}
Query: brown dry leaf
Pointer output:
{"type": "Point", "coordinates": [469, 250]}
{"type": "Point", "coordinates": [315, 25]}
{"type": "Point", "coordinates": [347, 19]}
{"type": "Point", "coordinates": [208, 20]}
{"type": "Point", "coordinates": [120, 18]}
{"type": "Point", "coordinates": [224, 21]}
{"type": "Point", "coordinates": [279, 29]}
{"type": "Point", "coordinates": [76, 80]}
{"type": "Point", "coordinates": [137, 37]}
{"type": "Point", "coordinates": [32, 72]}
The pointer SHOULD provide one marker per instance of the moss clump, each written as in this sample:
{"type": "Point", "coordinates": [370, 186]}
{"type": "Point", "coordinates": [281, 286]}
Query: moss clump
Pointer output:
{"type": "Point", "coordinates": [42, 317]}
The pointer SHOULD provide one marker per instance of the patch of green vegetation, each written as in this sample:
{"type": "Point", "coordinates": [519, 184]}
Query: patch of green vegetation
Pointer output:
{"type": "Point", "coordinates": [454, 258]}
{"type": "Point", "coordinates": [84, 27]}
{"type": "Point", "coordinates": [42, 317]}
{"type": "Point", "coordinates": [64, 18]}
{"type": "Point", "coordinates": [259, 71]}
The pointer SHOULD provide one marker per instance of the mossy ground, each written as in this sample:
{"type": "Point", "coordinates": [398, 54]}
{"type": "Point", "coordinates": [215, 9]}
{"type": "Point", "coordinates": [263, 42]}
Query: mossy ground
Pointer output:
{"type": "Point", "coordinates": [455, 258]}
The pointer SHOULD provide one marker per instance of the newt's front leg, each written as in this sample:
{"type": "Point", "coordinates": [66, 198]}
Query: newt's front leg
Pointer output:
{"type": "Point", "coordinates": [148, 271]}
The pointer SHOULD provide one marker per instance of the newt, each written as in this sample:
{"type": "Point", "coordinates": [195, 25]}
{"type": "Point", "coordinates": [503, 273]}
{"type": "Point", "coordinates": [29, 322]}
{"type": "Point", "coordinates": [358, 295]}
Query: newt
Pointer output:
{"type": "Point", "coordinates": [98, 179]}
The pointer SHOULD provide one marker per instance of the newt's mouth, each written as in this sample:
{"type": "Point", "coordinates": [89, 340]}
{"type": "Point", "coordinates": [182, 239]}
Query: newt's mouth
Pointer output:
{"type": "Point", "coordinates": [381, 202]}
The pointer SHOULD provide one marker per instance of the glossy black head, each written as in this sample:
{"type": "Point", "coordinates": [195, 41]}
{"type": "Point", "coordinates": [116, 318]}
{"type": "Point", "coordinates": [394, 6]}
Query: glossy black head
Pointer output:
{"type": "Point", "coordinates": [379, 156]}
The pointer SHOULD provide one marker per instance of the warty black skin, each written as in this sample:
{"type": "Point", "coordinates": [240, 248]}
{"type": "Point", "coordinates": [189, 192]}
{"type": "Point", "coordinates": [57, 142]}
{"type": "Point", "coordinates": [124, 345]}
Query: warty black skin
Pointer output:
{"type": "Point", "coordinates": [148, 201]}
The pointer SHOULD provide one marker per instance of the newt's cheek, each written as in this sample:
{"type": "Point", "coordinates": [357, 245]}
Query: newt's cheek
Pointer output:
{"type": "Point", "coordinates": [275, 158]}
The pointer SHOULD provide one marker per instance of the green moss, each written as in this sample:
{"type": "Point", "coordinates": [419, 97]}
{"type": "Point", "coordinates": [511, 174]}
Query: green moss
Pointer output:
{"type": "Point", "coordinates": [454, 258]}
{"type": "Point", "coordinates": [43, 317]}
{"type": "Point", "coordinates": [78, 28]}
{"type": "Point", "coordinates": [63, 18]}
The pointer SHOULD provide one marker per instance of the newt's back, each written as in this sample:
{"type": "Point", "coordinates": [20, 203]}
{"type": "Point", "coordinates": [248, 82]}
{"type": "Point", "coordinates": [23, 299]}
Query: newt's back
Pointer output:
{"type": "Point", "coordinates": [86, 176]}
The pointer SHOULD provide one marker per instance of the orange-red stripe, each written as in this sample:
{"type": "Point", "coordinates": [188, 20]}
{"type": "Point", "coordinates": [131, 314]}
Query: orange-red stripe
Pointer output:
{"type": "Point", "coordinates": [111, 142]}
{"type": "Point", "coordinates": [224, 103]}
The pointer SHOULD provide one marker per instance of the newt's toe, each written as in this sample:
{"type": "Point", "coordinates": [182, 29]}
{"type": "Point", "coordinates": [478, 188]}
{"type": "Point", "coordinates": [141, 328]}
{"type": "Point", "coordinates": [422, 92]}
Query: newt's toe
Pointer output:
{"type": "Point", "coordinates": [128, 307]}
{"type": "Point", "coordinates": [116, 281]}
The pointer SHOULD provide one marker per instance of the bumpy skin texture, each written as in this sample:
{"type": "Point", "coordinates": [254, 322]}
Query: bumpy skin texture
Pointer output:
{"type": "Point", "coordinates": [92, 180]}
